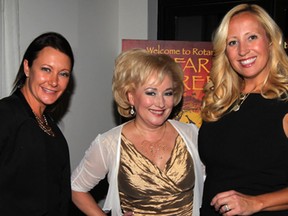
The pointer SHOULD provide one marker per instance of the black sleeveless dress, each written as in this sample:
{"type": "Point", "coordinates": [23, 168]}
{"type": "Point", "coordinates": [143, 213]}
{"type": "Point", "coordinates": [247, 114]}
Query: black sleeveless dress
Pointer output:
{"type": "Point", "coordinates": [246, 151]}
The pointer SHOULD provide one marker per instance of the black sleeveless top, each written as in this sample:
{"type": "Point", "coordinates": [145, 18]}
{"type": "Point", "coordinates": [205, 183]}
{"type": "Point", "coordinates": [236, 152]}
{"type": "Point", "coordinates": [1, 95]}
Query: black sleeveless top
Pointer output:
{"type": "Point", "coordinates": [246, 151]}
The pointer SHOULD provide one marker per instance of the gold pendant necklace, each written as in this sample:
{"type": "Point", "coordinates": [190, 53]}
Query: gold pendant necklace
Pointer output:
{"type": "Point", "coordinates": [154, 147]}
{"type": "Point", "coordinates": [242, 97]}
{"type": "Point", "coordinates": [240, 101]}
{"type": "Point", "coordinates": [44, 125]}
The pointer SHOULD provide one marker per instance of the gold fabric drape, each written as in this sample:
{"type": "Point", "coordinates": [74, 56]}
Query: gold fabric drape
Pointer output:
{"type": "Point", "coordinates": [146, 190]}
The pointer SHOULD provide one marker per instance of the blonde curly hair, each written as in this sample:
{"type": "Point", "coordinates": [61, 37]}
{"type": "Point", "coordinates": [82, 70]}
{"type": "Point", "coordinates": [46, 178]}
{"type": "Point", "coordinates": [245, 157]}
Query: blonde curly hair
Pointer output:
{"type": "Point", "coordinates": [225, 84]}
{"type": "Point", "coordinates": [132, 69]}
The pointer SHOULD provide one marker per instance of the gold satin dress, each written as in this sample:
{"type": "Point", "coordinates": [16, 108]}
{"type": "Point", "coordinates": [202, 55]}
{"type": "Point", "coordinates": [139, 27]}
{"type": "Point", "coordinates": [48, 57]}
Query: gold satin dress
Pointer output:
{"type": "Point", "coordinates": [147, 190]}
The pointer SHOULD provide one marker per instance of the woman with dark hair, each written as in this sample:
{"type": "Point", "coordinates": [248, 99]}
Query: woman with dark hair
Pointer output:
{"type": "Point", "coordinates": [34, 155]}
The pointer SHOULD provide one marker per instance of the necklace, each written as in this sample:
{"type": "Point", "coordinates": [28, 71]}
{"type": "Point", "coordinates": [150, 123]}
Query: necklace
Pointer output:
{"type": "Point", "coordinates": [242, 98]}
{"type": "Point", "coordinates": [44, 125]}
{"type": "Point", "coordinates": [155, 147]}
{"type": "Point", "coordinates": [240, 101]}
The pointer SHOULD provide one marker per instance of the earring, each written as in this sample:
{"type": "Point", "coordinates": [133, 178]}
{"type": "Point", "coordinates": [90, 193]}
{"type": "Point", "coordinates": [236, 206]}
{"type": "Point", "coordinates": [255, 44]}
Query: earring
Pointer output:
{"type": "Point", "coordinates": [132, 111]}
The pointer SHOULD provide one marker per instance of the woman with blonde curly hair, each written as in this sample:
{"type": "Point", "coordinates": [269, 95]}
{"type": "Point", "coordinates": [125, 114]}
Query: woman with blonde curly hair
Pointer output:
{"type": "Point", "coordinates": [243, 139]}
{"type": "Point", "coordinates": [152, 163]}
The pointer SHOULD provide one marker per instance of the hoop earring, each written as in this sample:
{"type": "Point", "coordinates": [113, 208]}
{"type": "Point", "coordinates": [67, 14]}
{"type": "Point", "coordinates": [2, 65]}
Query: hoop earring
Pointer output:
{"type": "Point", "coordinates": [132, 111]}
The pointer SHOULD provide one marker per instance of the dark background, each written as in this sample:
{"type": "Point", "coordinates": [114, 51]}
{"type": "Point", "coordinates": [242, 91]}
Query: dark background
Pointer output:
{"type": "Point", "coordinates": [195, 20]}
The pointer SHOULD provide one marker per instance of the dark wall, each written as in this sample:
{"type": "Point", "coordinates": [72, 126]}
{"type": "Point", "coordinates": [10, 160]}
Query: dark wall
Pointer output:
{"type": "Point", "coordinates": [195, 20]}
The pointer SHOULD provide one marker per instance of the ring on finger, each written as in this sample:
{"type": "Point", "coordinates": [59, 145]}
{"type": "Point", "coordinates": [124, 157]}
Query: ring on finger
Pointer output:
{"type": "Point", "coordinates": [226, 208]}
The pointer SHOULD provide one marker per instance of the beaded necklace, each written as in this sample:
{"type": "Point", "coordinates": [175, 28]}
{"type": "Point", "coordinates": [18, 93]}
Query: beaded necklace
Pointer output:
{"type": "Point", "coordinates": [44, 125]}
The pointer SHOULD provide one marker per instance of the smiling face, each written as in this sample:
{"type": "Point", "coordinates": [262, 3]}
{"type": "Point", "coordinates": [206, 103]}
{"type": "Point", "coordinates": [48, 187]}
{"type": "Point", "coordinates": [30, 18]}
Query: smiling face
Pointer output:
{"type": "Point", "coordinates": [47, 78]}
{"type": "Point", "coordinates": [153, 102]}
{"type": "Point", "coordinates": [248, 47]}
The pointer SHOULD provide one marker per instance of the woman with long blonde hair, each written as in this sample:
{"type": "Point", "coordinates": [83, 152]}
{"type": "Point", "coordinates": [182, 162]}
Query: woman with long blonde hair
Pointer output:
{"type": "Point", "coordinates": [243, 139]}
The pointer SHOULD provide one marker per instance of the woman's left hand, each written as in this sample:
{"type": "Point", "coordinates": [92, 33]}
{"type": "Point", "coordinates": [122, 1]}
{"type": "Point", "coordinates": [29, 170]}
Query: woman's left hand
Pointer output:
{"type": "Point", "coordinates": [231, 203]}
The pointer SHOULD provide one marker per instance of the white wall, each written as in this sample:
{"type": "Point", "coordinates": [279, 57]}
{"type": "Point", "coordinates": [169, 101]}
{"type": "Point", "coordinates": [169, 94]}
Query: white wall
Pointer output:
{"type": "Point", "coordinates": [95, 29]}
